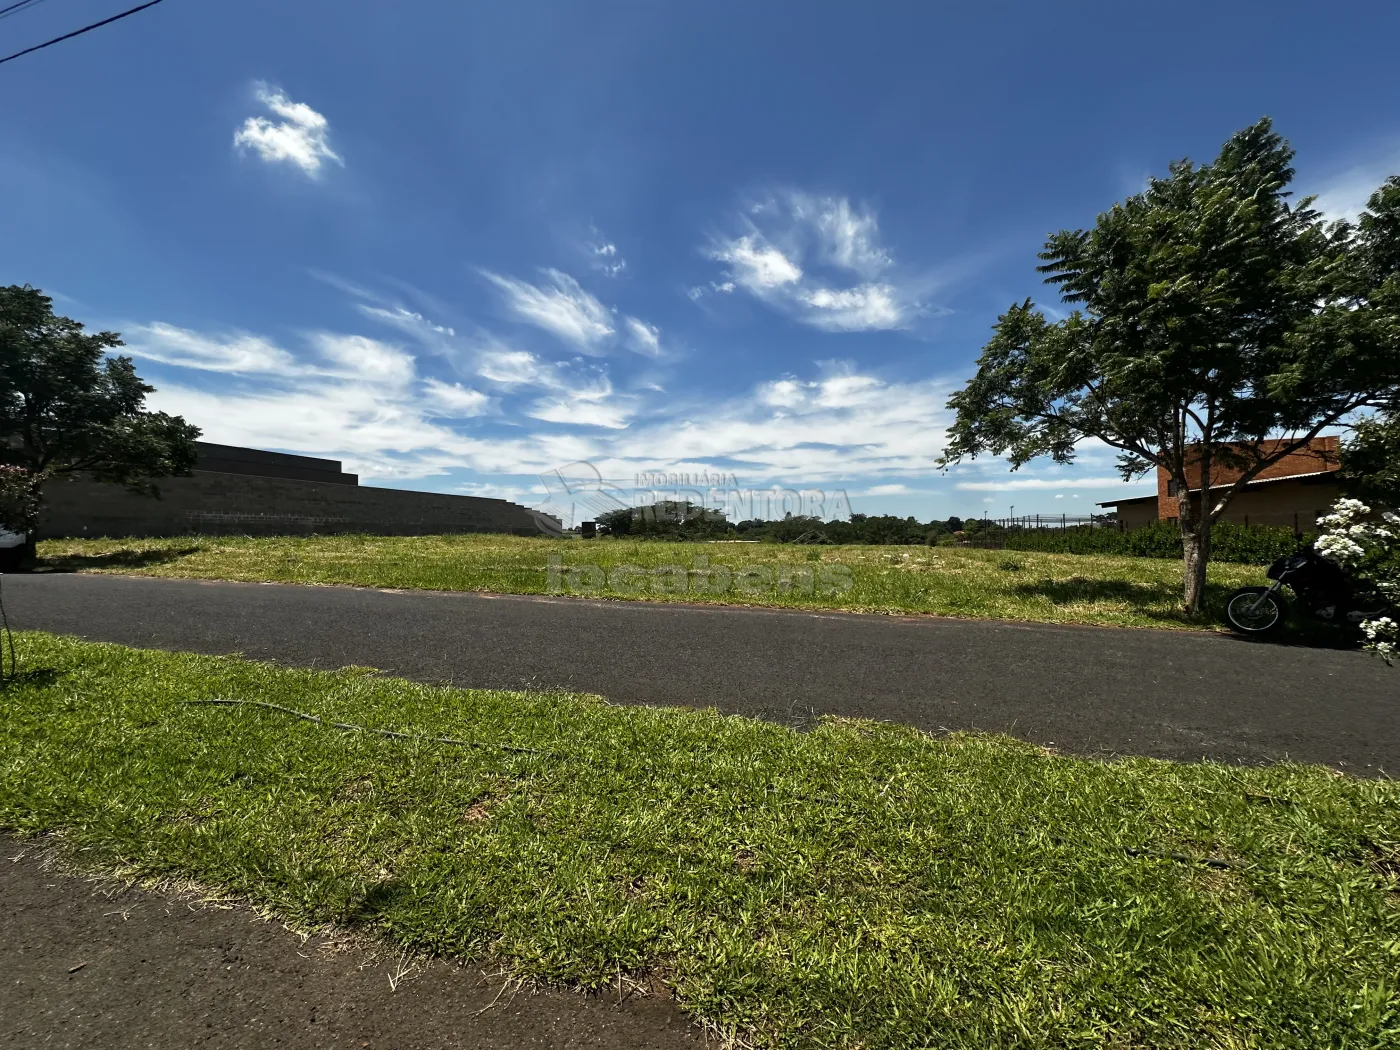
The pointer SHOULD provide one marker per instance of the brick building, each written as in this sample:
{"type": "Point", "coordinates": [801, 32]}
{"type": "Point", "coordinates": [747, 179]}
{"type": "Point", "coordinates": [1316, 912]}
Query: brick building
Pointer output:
{"type": "Point", "coordinates": [1291, 492]}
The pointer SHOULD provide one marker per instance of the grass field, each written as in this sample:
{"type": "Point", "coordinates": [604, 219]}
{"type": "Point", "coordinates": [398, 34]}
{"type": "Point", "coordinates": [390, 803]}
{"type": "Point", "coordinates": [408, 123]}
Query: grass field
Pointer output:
{"type": "Point", "coordinates": [1056, 588]}
{"type": "Point", "coordinates": [856, 885]}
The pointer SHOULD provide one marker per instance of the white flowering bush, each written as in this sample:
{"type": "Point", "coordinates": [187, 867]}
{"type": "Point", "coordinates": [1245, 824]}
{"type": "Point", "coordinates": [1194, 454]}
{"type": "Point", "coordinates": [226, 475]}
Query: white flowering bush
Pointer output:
{"type": "Point", "coordinates": [1369, 551]}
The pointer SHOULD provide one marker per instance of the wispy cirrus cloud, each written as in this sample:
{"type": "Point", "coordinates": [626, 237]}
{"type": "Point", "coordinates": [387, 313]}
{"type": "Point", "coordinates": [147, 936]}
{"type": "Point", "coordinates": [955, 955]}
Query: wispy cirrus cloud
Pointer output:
{"type": "Point", "coordinates": [455, 401]}
{"type": "Point", "coordinates": [299, 136]}
{"type": "Point", "coordinates": [561, 306]}
{"type": "Point", "coordinates": [367, 401]}
{"type": "Point", "coordinates": [1041, 484]}
{"type": "Point", "coordinates": [1344, 195]}
{"type": "Point", "coordinates": [818, 259]}
{"type": "Point", "coordinates": [233, 352]}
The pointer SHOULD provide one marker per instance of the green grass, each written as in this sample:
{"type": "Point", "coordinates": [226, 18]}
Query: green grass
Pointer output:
{"type": "Point", "coordinates": [1055, 588]}
{"type": "Point", "coordinates": [857, 885]}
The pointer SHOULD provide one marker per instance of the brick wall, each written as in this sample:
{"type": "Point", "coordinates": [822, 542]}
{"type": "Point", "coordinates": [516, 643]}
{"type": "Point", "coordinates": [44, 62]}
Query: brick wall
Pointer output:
{"type": "Point", "coordinates": [215, 503]}
{"type": "Point", "coordinates": [1321, 454]}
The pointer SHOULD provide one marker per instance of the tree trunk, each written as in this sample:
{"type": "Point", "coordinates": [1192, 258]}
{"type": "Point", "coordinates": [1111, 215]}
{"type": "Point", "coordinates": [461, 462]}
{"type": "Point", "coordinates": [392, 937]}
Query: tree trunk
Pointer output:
{"type": "Point", "coordinates": [1195, 548]}
{"type": "Point", "coordinates": [1196, 554]}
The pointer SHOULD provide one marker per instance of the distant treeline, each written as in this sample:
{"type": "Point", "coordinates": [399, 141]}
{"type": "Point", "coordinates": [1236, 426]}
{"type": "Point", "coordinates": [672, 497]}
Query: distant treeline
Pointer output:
{"type": "Point", "coordinates": [1246, 544]}
{"type": "Point", "coordinates": [641, 523]}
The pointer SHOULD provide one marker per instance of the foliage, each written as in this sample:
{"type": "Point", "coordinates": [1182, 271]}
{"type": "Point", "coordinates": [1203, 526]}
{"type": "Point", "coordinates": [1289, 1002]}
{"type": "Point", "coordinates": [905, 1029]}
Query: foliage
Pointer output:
{"type": "Point", "coordinates": [669, 520]}
{"type": "Point", "coordinates": [856, 884]}
{"type": "Point", "coordinates": [861, 528]}
{"type": "Point", "coordinates": [19, 499]}
{"type": "Point", "coordinates": [1369, 551]}
{"type": "Point", "coordinates": [1230, 542]}
{"type": "Point", "coordinates": [66, 408]}
{"type": "Point", "coordinates": [1211, 317]}
{"type": "Point", "coordinates": [695, 524]}
{"type": "Point", "coordinates": [1371, 461]}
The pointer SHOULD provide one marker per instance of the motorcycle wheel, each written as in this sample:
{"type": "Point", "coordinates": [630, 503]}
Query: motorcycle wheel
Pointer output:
{"type": "Point", "coordinates": [1254, 611]}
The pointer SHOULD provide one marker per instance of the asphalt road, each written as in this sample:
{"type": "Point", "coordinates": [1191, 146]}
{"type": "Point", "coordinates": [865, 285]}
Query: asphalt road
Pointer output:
{"type": "Point", "coordinates": [1170, 694]}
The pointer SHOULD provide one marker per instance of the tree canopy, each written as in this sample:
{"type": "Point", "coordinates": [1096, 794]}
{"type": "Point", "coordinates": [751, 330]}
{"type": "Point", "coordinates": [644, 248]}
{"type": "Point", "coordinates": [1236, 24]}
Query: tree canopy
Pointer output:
{"type": "Point", "coordinates": [67, 408]}
{"type": "Point", "coordinates": [1215, 324]}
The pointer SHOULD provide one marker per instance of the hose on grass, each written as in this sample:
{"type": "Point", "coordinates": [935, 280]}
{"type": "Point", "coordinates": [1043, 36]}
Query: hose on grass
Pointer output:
{"type": "Point", "coordinates": [348, 727]}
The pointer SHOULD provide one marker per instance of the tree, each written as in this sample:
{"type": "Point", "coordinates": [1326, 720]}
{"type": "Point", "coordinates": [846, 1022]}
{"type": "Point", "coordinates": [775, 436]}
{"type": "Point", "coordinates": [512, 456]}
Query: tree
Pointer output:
{"type": "Point", "coordinates": [1215, 325]}
{"type": "Point", "coordinates": [1371, 461]}
{"type": "Point", "coordinates": [66, 409]}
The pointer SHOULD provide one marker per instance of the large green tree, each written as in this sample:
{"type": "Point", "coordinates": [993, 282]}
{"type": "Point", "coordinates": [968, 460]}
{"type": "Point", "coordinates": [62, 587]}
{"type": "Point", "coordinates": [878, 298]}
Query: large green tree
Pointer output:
{"type": "Point", "coordinates": [1371, 462]}
{"type": "Point", "coordinates": [67, 408]}
{"type": "Point", "coordinates": [1215, 324]}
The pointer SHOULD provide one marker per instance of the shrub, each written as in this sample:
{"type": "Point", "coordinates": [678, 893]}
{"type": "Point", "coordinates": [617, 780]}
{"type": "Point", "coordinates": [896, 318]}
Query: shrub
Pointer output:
{"type": "Point", "coordinates": [1244, 544]}
{"type": "Point", "coordinates": [1369, 551]}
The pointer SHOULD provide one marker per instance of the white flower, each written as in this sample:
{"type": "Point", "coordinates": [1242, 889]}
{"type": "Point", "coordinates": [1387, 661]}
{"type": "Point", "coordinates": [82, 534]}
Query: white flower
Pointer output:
{"type": "Point", "coordinates": [1349, 541]}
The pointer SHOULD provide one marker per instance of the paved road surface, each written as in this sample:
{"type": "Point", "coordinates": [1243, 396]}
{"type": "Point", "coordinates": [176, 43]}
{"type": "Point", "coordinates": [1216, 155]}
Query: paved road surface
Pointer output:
{"type": "Point", "coordinates": [1181, 695]}
{"type": "Point", "coordinates": [121, 970]}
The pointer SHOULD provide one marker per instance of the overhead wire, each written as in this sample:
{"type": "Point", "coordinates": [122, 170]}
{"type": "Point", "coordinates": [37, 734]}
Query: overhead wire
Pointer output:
{"type": "Point", "coordinates": [22, 5]}
{"type": "Point", "coordinates": [76, 32]}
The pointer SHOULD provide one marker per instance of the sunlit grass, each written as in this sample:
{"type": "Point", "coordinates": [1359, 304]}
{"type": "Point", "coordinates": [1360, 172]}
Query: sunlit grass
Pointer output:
{"type": "Point", "coordinates": [858, 885]}
{"type": "Point", "coordinates": [1057, 588]}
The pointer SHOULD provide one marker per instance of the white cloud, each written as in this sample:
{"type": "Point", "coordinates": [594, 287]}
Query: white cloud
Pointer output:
{"type": "Point", "coordinates": [455, 400]}
{"type": "Point", "coordinates": [793, 432]}
{"type": "Point", "coordinates": [869, 307]}
{"type": "Point", "coordinates": [840, 390]}
{"type": "Point", "coordinates": [362, 358]}
{"type": "Point", "coordinates": [643, 337]}
{"type": "Point", "coordinates": [888, 490]}
{"type": "Point", "coordinates": [579, 413]}
{"type": "Point", "coordinates": [510, 367]}
{"type": "Point", "coordinates": [561, 306]}
{"type": "Point", "coordinates": [606, 259]}
{"type": "Point", "coordinates": [362, 400]}
{"type": "Point", "coordinates": [1040, 484]}
{"type": "Point", "coordinates": [849, 239]}
{"type": "Point", "coordinates": [414, 324]}
{"type": "Point", "coordinates": [237, 352]}
{"type": "Point", "coordinates": [757, 266]}
{"type": "Point", "coordinates": [300, 138]}
{"type": "Point", "coordinates": [818, 259]}
{"type": "Point", "coordinates": [699, 291]}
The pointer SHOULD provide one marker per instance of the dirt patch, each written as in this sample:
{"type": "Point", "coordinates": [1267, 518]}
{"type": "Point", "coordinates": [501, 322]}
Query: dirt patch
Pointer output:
{"type": "Point", "coordinates": [84, 964]}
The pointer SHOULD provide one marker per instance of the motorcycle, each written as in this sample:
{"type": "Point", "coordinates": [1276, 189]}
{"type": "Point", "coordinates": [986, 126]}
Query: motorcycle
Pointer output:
{"type": "Point", "coordinates": [1324, 591]}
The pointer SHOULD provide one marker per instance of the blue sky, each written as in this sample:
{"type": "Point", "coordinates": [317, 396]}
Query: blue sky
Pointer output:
{"type": "Point", "coordinates": [457, 245]}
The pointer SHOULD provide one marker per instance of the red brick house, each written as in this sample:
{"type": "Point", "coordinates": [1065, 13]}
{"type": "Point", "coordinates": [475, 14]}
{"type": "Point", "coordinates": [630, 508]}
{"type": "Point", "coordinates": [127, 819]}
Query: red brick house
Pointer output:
{"type": "Point", "coordinates": [1291, 492]}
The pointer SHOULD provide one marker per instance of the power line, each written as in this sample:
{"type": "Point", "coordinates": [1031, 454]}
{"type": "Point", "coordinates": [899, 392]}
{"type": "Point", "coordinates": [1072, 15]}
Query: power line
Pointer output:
{"type": "Point", "coordinates": [78, 32]}
{"type": "Point", "coordinates": [15, 9]}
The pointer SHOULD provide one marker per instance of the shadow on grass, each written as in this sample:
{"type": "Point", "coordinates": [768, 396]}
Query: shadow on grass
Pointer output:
{"type": "Point", "coordinates": [126, 558]}
{"type": "Point", "coordinates": [1297, 632]}
{"type": "Point", "coordinates": [1083, 589]}
{"type": "Point", "coordinates": [38, 677]}
{"type": "Point", "coordinates": [1145, 600]}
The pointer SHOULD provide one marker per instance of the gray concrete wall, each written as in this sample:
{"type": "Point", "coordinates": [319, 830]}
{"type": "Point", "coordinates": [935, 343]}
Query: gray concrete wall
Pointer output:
{"type": "Point", "coordinates": [213, 503]}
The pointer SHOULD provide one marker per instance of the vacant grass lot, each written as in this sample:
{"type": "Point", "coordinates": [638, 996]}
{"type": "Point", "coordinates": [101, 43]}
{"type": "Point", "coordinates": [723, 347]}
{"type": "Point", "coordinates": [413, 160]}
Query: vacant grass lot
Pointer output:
{"type": "Point", "coordinates": [1057, 588]}
{"type": "Point", "coordinates": [858, 885]}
